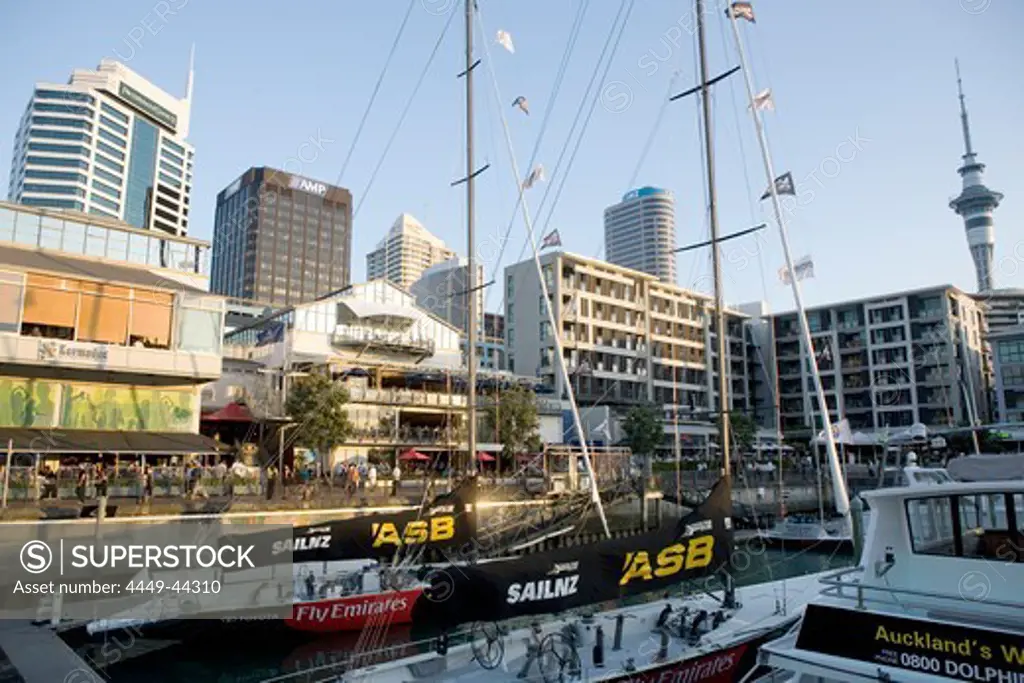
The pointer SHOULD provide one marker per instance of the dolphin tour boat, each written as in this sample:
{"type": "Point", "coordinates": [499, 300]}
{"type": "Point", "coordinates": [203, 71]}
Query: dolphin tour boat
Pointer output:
{"type": "Point", "coordinates": [938, 594]}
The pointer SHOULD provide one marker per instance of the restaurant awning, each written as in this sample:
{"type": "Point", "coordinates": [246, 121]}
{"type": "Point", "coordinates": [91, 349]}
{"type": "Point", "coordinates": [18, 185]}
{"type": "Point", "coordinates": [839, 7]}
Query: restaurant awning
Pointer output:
{"type": "Point", "coordinates": [78, 441]}
{"type": "Point", "coordinates": [232, 412]}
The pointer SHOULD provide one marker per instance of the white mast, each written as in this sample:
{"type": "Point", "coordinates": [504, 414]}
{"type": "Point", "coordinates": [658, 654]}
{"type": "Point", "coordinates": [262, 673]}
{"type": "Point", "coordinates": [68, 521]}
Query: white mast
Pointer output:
{"type": "Point", "coordinates": [842, 499]}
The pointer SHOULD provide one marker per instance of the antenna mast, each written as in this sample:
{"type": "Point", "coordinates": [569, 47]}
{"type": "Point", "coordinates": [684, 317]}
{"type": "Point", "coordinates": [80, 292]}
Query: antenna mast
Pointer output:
{"type": "Point", "coordinates": [470, 242]}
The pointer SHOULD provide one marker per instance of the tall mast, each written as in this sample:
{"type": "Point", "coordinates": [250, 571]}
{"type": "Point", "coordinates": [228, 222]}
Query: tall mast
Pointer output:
{"type": "Point", "coordinates": [842, 499]}
{"type": "Point", "coordinates": [723, 382]}
{"type": "Point", "coordinates": [470, 240]}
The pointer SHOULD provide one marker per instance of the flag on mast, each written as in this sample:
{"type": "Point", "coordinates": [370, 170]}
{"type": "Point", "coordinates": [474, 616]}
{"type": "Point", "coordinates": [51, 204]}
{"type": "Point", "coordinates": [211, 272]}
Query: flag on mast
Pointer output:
{"type": "Point", "coordinates": [552, 240]}
{"type": "Point", "coordinates": [505, 40]}
{"type": "Point", "coordinates": [522, 104]}
{"type": "Point", "coordinates": [763, 100]}
{"type": "Point", "coordinates": [536, 176]}
{"type": "Point", "coordinates": [804, 268]}
{"type": "Point", "coordinates": [742, 10]}
{"type": "Point", "coordinates": [783, 185]}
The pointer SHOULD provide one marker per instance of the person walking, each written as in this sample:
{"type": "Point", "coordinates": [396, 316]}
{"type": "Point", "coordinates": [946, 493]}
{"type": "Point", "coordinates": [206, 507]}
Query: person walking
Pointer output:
{"type": "Point", "coordinates": [396, 479]}
{"type": "Point", "coordinates": [81, 483]}
{"type": "Point", "coordinates": [371, 478]}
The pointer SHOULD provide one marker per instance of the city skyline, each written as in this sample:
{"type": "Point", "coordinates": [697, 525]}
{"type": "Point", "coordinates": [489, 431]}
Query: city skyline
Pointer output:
{"type": "Point", "coordinates": [830, 105]}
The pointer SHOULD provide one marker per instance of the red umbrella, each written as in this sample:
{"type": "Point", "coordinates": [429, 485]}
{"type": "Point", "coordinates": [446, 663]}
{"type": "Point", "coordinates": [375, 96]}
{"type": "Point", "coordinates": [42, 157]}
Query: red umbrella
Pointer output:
{"type": "Point", "coordinates": [484, 457]}
{"type": "Point", "coordinates": [413, 455]}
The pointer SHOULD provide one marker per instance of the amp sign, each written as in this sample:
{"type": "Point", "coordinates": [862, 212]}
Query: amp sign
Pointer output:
{"type": "Point", "coordinates": [307, 185]}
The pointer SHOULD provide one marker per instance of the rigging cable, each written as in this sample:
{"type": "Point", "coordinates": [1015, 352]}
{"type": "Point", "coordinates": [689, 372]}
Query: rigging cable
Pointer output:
{"type": "Point", "coordinates": [570, 46]}
{"type": "Point", "coordinates": [556, 336]}
{"type": "Point", "coordinates": [405, 112]}
{"type": "Point", "coordinates": [610, 41]}
{"type": "Point", "coordinates": [376, 89]}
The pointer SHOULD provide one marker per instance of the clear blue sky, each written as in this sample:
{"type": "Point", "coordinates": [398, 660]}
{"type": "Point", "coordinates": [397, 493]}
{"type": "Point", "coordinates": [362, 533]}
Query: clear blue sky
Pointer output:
{"type": "Point", "coordinates": [269, 76]}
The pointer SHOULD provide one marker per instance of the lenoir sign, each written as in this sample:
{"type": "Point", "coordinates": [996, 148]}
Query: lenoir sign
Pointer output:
{"type": "Point", "coordinates": [307, 185]}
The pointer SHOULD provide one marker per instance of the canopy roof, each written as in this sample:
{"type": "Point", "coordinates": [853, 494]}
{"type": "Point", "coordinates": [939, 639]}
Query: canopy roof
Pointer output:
{"type": "Point", "coordinates": [82, 441]}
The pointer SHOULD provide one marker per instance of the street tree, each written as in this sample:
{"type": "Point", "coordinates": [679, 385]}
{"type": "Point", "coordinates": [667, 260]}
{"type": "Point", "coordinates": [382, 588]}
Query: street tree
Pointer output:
{"type": "Point", "coordinates": [316, 404]}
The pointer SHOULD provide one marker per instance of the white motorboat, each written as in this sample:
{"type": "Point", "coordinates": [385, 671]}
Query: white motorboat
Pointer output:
{"type": "Point", "coordinates": [937, 595]}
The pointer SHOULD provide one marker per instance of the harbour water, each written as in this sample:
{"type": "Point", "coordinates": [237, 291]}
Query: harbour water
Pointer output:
{"type": "Point", "coordinates": [226, 660]}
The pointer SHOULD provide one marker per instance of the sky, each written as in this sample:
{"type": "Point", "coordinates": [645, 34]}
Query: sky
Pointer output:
{"type": "Point", "coordinates": [866, 120]}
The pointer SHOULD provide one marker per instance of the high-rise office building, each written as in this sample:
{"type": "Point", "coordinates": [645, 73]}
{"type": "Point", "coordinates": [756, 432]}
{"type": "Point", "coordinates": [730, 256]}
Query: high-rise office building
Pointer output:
{"type": "Point", "coordinates": [280, 238]}
{"type": "Point", "coordinates": [407, 251]}
{"type": "Point", "coordinates": [640, 233]}
{"type": "Point", "coordinates": [110, 143]}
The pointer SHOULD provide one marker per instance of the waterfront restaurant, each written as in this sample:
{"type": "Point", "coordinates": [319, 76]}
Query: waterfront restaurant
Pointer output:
{"type": "Point", "coordinates": [107, 334]}
{"type": "Point", "coordinates": [403, 368]}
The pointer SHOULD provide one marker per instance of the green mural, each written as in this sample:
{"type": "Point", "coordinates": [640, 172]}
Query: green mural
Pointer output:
{"type": "Point", "coordinates": [26, 402]}
{"type": "Point", "coordinates": [127, 408]}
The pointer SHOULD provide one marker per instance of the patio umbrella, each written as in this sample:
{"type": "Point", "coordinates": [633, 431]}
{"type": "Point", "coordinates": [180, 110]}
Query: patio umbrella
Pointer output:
{"type": "Point", "coordinates": [484, 457]}
{"type": "Point", "coordinates": [412, 455]}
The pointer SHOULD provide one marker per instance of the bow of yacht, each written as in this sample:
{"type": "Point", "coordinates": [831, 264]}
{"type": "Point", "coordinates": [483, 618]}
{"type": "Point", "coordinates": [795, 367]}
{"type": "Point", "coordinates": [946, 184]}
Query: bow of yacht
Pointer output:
{"type": "Point", "coordinates": [938, 594]}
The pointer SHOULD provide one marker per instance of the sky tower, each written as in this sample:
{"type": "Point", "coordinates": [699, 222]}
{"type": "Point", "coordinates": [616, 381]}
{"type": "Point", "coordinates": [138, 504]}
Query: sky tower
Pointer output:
{"type": "Point", "coordinates": [976, 203]}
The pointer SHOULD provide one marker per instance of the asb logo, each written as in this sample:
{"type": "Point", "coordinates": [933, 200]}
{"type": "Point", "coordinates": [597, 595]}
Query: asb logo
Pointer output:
{"type": "Point", "coordinates": [694, 554]}
{"type": "Point", "coordinates": [414, 533]}
{"type": "Point", "coordinates": [307, 185]}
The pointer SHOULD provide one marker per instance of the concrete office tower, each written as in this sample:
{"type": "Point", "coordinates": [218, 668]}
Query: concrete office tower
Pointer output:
{"type": "Point", "coordinates": [407, 251]}
{"type": "Point", "coordinates": [110, 143]}
{"type": "Point", "coordinates": [281, 239]}
{"type": "Point", "coordinates": [976, 203]}
{"type": "Point", "coordinates": [640, 233]}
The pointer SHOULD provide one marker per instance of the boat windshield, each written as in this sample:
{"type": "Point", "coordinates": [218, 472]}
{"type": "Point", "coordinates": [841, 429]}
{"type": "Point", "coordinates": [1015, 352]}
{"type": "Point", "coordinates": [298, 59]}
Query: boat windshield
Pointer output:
{"type": "Point", "coordinates": [978, 525]}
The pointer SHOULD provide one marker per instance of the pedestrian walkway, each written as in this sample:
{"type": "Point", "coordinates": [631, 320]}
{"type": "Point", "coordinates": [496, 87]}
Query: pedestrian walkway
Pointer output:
{"type": "Point", "coordinates": [40, 656]}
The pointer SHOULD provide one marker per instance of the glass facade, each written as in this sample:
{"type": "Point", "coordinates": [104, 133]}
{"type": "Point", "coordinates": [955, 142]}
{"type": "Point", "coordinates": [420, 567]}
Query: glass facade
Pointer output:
{"type": "Point", "coordinates": [141, 169]}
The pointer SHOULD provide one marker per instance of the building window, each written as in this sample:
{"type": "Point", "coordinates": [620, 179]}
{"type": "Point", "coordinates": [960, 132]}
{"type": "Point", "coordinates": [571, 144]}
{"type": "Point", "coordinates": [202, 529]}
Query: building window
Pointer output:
{"type": "Point", "coordinates": [112, 165]}
{"type": "Point", "coordinates": [57, 161]}
{"type": "Point", "coordinates": [103, 317]}
{"type": "Point", "coordinates": [142, 167]}
{"type": "Point", "coordinates": [113, 126]}
{"type": "Point", "coordinates": [1011, 352]}
{"type": "Point", "coordinates": [175, 146]}
{"type": "Point", "coordinates": [152, 313]}
{"type": "Point", "coordinates": [107, 149]}
{"type": "Point", "coordinates": [64, 95]}
{"type": "Point", "coordinates": [53, 203]}
{"type": "Point", "coordinates": [510, 288]}
{"type": "Point", "coordinates": [123, 118]}
{"type": "Point", "coordinates": [53, 189]}
{"type": "Point", "coordinates": [55, 175]}
{"type": "Point", "coordinates": [545, 330]}
{"type": "Point", "coordinates": [57, 149]}
{"type": "Point", "coordinates": [106, 189]}
{"type": "Point", "coordinates": [62, 109]}
{"type": "Point", "coordinates": [64, 123]}
{"type": "Point", "coordinates": [104, 202]}
{"type": "Point", "coordinates": [12, 287]}
{"type": "Point", "coordinates": [61, 135]}
{"type": "Point", "coordinates": [199, 324]}
{"type": "Point", "coordinates": [50, 307]}
{"type": "Point", "coordinates": [108, 176]}
{"type": "Point", "coordinates": [110, 137]}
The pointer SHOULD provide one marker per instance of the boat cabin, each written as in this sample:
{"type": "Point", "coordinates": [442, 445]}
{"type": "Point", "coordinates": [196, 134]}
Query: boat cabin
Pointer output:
{"type": "Point", "coordinates": [938, 595]}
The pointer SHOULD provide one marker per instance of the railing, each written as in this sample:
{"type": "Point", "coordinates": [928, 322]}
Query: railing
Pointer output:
{"type": "Point", "coordinates": [836, 588]}
{"type": "Point", "coordinates": [27, 484]}
{"type": "Point", "coordinates": [405, 435]}
{"type": "Point", "coordinates": [345, 337]}
{"type": "Point", "coordinates": [406, 397]}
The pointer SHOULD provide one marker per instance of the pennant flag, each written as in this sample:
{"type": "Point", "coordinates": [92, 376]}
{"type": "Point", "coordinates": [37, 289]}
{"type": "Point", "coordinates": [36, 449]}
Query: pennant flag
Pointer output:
{"type": "Point", "coordinates": [536, 176]}
{"type": "Point", "coordinates": [841, 433]}
{"type": "Point", "coordinates": [522, 104]}
{"type": "Point", "coordinates": [783, 185]}
{"type": "Point", "coordinates": [552, 240]}
{"type": "Point", "coordinates": [505, 40]}
{"type": "Point", "coordinates": [742, 10]}
{"type": "Point", "coordinates": [763, 100]}
{"type": "Point", "coordinates": [804, 268]}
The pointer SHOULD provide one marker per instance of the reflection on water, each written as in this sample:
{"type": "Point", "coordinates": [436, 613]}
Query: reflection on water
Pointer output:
{"type": "Point", "coordinates": [222, 659]}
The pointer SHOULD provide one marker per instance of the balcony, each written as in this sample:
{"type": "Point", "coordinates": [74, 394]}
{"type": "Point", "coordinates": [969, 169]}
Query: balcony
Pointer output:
{"type": "Point", "coordinates": [394, 341]}
{"type": "Point", "coordinates": [406, 397]}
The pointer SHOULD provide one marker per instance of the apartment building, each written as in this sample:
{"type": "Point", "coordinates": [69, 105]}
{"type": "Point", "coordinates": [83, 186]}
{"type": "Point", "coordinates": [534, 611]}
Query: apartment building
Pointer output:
{"type": "Point", "coordinates": [1004, 308]}
{"type": "Point", "coordinates": [406, 251]}
{"type": "Point", "coordinates": [640, 232]}
{"type": "Point", "coordinates": [887, 362]}
{"type": "Point", "coordinates": [627, 338]}
{"type": "Point", "coordinates": [110, 143]}
{"type": "Point", "coordinates": [1008, 373]}
{"type": "Point", "coordinates": [107, 334]}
